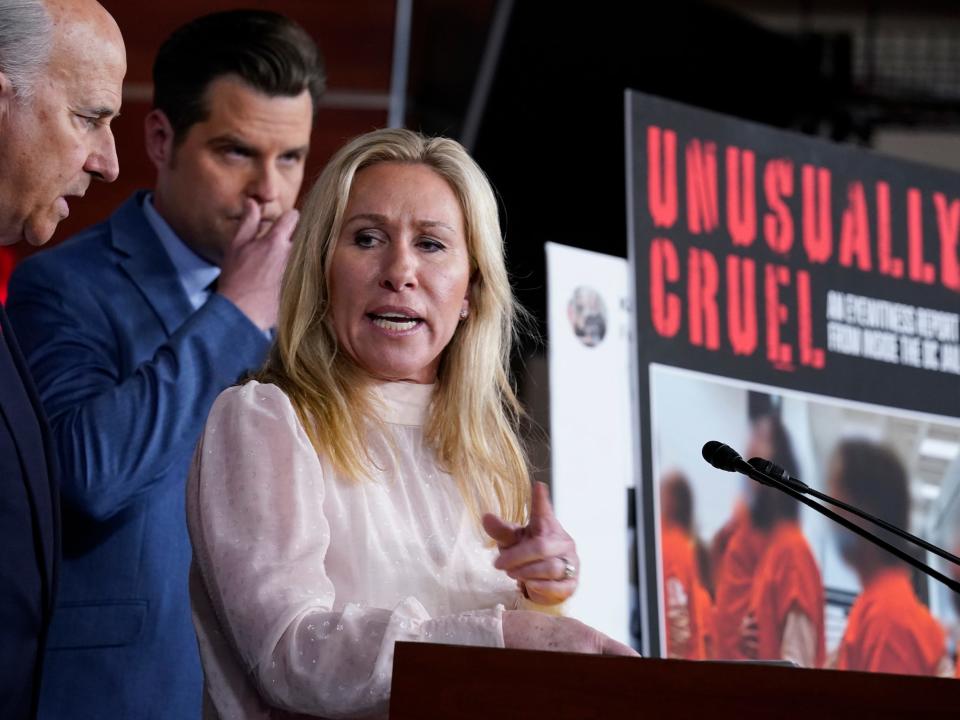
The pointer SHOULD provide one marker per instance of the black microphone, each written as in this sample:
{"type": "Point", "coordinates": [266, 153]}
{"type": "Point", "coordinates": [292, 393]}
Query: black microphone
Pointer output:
{"type": "Point", "coordinates": [721, 456]}
{"type": "Point", "coordinates": [724, 457]}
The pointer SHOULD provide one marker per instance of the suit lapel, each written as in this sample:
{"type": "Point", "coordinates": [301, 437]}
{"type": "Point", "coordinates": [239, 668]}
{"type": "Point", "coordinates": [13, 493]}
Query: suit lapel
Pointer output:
{"type": "Point", "coordinates": [147, 264]}
{"type": "Point", "coordinates": [21, 408]}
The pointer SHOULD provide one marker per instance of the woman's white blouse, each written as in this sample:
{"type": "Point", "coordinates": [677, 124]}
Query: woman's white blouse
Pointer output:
{"type": "Point", "coordinates": [302, 579]}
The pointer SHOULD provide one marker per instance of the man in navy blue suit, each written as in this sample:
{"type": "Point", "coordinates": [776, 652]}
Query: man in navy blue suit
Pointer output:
{"type": "Point", "coordinates": [61, 72]}
{"type": "Point", "coordinates": [133, 327]}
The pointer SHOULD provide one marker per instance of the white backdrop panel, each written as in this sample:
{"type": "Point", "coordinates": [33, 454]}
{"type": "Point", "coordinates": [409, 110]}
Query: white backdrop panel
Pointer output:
{"type": "Point", "coordinates": [590, 425]}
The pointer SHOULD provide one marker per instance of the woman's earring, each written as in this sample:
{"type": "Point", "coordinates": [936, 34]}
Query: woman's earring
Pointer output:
{"type": "Point", "coordinates": [463, 314]}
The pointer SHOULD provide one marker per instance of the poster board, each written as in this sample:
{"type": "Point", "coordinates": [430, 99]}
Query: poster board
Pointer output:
{"type": "Point", "coordinates": [782, 275]}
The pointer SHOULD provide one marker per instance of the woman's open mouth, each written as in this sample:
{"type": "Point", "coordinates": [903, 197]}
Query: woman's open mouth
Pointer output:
{"type": "Point", "coordinates": [393, 322]}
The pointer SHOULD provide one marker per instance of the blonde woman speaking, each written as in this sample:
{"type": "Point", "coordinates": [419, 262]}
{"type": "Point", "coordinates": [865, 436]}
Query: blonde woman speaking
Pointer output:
{"type": "Point", "coordinates": [369, 485]}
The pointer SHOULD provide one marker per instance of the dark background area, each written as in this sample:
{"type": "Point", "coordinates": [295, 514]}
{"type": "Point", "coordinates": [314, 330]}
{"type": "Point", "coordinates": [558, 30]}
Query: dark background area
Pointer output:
{"type": "Point", "coordinates": [551, 132]}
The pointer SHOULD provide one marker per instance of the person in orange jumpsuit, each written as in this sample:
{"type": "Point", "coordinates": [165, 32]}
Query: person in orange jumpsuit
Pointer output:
{"type": "Point", "coordinates": [706, 612]}
{"type": "Point", "coordinates": [888, 629]}
{"type": "Point", "coordinates": [738, 546]}
{"type": "Point", "coordinates": [683, 618]}
{"type": "Point", "coordinates": [735, 565]}
{"type": "Point", "coordinates": [785, 616]}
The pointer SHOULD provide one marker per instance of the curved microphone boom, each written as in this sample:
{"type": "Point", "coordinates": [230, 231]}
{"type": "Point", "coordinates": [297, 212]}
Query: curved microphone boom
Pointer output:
{"type": "Point", "coordinates": [778, 473]}
{"type": "Point", "coordinates": [724, 457]}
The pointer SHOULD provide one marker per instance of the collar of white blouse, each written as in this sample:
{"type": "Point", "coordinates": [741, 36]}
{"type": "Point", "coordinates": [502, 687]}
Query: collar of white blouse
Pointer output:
{"type": "Point", "coordinates": [404, 403]}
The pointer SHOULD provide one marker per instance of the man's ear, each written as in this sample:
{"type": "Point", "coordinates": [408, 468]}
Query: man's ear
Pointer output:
{"type": "Point", "coordinates": [158, 138]}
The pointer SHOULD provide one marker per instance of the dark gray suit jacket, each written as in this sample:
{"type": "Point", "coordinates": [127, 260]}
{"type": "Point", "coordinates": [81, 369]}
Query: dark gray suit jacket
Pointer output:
{"type": "Point", "coordinates": [29, 532]}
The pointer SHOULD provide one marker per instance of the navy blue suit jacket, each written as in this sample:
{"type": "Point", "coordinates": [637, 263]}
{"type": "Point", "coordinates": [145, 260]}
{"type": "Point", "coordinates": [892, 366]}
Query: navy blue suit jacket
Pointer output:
{"type": "Point", "coordinates": [29, 532]}
{"type": "Point", "coordinates": [127, 372]}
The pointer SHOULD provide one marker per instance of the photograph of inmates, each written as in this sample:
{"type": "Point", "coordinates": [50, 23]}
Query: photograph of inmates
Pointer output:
{"type": "Point", "coordinates": [734, 555]}
{"type": "Point", "coordinates": [62, 65]}
{"type": "Point", "coordinates": [688, 606]}
{"type": "Point", "coordinates": [177, 301]}
{"type": "Point", "coordinates": [769, 592]}
{"type": "Point", "coordinates": [356, 493]}
{"type": "Point", "coordinates": [705, 600]}
{"type": "Point", "coordinates": [785, 612]}
{"type": "Point", "coordinates": [888, 629]}
{"type": "Point", "coordinates": [738, 546]}
{"type": "Point", "coordinates": [809, 591]}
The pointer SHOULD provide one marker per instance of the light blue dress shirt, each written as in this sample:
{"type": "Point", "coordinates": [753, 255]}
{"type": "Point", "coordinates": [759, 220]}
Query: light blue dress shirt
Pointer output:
{"type": "Point", "coordinates": [195, 273]}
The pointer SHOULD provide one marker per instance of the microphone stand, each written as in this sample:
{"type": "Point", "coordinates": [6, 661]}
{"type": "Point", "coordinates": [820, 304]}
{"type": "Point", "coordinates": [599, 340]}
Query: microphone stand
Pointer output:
{"type": "Point", "coordinates": [771, 470]}
{"type": "Point", "coordinates": [738, 464]}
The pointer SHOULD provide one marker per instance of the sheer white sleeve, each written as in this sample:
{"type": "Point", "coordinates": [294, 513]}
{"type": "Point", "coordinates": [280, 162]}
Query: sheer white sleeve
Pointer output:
{"type": "Point", "coordinates": [260, 538]}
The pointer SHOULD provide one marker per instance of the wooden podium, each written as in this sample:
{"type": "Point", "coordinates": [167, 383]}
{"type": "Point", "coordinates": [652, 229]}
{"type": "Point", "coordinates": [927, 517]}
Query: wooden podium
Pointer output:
{"type": "Point", "coordinates": [446, 681]}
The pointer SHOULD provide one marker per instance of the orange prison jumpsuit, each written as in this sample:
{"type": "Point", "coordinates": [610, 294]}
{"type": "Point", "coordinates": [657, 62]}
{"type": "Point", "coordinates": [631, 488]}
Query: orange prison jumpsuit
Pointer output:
{"type": "Point", "coordinates": [734, 573]}
{"type": "Point", "coordinates": [679, 594]}
{"type": "Point", "coordinates": [787, 578]}
{"type": "Point", "coordinates": [706, 622]}
{"type": "Point", "coordinates": [890, 630]}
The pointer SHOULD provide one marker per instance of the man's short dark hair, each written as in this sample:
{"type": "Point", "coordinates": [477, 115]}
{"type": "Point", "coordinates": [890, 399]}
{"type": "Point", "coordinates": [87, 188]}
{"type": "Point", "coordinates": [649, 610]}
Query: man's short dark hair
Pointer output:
{"type": "Point", "coordinates": [269, 52]}
{"type": "Point", "coordinates": [876, 481]}
{"type": "Point", "coordinates": [678, 500]}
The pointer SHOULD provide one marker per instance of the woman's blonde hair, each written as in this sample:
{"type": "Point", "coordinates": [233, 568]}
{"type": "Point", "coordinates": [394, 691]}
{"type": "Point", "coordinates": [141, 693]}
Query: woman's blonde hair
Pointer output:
{"type": "Point", "coordinates": [474, 415]}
